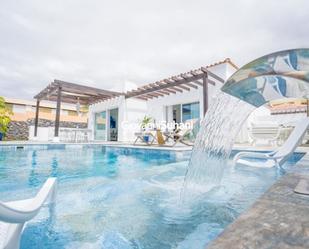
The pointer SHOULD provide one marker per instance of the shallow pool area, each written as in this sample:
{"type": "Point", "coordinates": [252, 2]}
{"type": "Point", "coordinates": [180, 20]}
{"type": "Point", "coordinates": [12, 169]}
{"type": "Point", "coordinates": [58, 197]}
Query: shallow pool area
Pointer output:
{"type": "Point", "coordinates": [124, 198]}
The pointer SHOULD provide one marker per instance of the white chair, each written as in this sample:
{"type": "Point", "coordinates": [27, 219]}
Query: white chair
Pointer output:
{"type": "Point", "coordinates": [264, 131]}
{"type": "Point", "coordinates": [279, 156]}
{"type": "Point", "coordinates": [14, 215]}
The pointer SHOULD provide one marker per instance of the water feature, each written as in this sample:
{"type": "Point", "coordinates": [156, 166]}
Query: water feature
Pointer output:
{"type": "Point", "coordinates": [214, 143]}
{"type": "Point", "coordinates": [274, 76]}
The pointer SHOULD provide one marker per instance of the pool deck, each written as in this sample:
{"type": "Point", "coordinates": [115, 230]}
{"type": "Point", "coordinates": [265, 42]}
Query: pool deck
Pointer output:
{"type": "Point", "coordinates": [277, 220]}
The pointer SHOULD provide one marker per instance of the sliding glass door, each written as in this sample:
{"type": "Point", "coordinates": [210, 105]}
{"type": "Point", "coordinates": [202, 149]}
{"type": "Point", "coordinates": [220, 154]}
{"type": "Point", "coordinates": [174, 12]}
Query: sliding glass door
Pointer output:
{"type": "Point", "coordinates": [190, 112]}
{"type": "Point", "coordinates": [100, 126]}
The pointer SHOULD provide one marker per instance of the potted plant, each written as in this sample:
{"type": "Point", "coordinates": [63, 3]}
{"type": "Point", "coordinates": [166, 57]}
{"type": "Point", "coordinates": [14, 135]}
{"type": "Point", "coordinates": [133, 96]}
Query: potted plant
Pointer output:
{"type": "Point", "coordinates": [4, 118]}
{"type": "Point", "coordinates": [146, 121]}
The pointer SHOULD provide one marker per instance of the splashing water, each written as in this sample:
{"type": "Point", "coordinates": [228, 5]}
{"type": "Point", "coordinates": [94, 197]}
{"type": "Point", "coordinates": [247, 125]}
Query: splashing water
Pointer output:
{"type": "Point", "coordinates": [214, 143]}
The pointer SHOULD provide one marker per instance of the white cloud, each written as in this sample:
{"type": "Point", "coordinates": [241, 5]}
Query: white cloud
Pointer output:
{"type": "Point", "coordinates": [103, 43]}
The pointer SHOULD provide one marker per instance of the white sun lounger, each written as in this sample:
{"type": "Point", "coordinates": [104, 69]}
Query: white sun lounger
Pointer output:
{"type": "Point", "coordinates": [14, 215]}
{"type": "Point", "coordinates": [279, 156]}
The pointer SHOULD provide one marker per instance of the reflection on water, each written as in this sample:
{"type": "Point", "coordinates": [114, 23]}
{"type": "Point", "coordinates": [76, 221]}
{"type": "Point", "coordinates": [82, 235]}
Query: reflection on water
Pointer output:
{"type": "Point", "coordinates": [122, 199]}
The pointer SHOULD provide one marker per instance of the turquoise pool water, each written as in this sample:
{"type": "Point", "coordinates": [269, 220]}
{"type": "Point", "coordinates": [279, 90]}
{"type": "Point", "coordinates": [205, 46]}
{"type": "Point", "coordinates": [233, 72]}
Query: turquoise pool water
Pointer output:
{"type": "Point", "coordinates": [118, 198]}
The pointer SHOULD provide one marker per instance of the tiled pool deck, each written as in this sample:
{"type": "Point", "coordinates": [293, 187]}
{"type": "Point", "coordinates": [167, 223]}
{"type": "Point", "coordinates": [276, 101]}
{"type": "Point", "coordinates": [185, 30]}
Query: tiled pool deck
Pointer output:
{"type": "Point", "coordinates": [277, 220]}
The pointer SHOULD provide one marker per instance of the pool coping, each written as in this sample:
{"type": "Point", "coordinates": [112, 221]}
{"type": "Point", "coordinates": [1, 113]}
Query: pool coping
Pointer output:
{"type": "Point", "coordinates": [120, 145]}
{"type": "Point", "coordinates": [278, 219]}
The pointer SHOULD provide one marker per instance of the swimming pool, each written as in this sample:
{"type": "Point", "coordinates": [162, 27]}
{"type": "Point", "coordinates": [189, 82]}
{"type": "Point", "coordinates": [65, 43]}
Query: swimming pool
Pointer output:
{"type": "Point", "coordinates": [124, 198]}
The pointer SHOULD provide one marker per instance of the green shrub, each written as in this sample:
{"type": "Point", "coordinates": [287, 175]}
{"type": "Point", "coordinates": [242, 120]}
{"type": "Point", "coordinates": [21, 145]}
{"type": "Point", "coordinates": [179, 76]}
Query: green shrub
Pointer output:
{"type": "Point", "coordinates": [5, 118]}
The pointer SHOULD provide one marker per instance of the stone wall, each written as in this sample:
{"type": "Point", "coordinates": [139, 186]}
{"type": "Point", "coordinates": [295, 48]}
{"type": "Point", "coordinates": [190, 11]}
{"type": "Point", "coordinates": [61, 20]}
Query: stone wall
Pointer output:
{"type": "Point", "coordinates": [19, 130]}
{"type": "Point", "coordinates": [50, 123]}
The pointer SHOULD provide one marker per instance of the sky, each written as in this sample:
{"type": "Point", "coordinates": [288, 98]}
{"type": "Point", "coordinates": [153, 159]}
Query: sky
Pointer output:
{"type": "Point", "coordinates": [106, 43]}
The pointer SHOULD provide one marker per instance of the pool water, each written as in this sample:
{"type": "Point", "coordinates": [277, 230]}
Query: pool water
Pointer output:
{"type": "Point", "coordinates": [118, 198]}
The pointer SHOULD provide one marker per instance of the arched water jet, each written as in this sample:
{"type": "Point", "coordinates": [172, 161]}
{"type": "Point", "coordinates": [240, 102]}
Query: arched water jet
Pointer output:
{"type": "Point", "coordinates": [283, 74]}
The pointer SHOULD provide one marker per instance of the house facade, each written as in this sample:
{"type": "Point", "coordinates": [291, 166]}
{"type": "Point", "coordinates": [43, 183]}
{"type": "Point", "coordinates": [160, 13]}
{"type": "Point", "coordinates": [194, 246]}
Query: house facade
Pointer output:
{"type": "Point", "coordinates": [117, 119]}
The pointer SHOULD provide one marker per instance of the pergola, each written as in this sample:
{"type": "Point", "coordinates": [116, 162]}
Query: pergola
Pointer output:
{"type": "Point", "coordinates": [184, 82]}
{"type": "Point", "coordinates": [61, 91]}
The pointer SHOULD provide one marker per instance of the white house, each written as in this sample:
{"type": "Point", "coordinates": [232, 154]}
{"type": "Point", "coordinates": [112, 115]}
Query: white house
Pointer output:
{"type": "Point", "coordinates": [177, 98]}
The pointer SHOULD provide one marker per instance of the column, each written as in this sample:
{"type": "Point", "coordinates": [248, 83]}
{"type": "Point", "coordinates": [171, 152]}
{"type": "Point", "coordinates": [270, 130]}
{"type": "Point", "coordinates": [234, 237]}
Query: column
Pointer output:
{"type": "Point", "coordinates": [36, 121]}
{"type": "Point", "coordinates": [57, 121]}
{"type": "Point", "coordinates": [205, 93]}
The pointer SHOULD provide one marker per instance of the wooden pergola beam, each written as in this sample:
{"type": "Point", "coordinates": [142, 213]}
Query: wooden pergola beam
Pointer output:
{"type": "Point", "coordinates": [71, 93]}
{"type": "Point", "coordinates": [198, 82]}
{"type": "Point", "coordinates": [176, 89]}
{"type": "Point", "coordinates": [70, 100]}
{"type": "Point", "coordinates": [170, 83]}
{"type": "Point", "coordinates": [86, 89]}
{"type": "Point", "coordinates": [191, 85]}
{"type": "Point", "coordinates": [184, 87]}
{"type": "Point", "coordinates": [164, 92]}
{"type": "Point", "coordinates": [205, 70]}
{"type": "Point", "coordinates": [211, 82]}
{"type": "Point", "coordinates": [170, 91]}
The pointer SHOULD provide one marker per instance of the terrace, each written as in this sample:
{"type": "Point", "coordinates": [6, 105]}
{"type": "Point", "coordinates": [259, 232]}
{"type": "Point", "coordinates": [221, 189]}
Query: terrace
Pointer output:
{"type": "Point", "coordinates": [117, 193]}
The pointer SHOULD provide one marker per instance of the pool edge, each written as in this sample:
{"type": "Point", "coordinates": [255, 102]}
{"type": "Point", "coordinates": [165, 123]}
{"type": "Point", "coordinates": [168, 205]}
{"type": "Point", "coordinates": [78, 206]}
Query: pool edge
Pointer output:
{"type": "Point", "coordinates": [278, 219]}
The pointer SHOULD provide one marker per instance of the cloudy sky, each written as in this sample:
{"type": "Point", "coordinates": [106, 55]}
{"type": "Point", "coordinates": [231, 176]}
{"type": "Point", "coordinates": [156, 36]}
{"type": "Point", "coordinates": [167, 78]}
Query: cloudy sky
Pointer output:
{"type": "Point", "coordinates": [104, 43]}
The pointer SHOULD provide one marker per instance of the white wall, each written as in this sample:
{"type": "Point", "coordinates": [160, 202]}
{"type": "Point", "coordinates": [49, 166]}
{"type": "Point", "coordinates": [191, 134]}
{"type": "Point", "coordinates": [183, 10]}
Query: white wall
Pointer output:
{"type": "Point", "coordinates": [44, 134]}
{"type": "Point", "coordinates": [129, 111]}
{"type": "Point", "coordinates": [134, 113]}
{"type": "Point", "coordinates": [157, 106]}
{"type": "Point", "coordinates": [133, 110]}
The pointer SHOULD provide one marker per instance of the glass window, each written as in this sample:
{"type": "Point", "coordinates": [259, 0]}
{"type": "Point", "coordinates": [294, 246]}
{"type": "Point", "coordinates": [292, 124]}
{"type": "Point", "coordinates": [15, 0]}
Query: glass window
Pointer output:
{"type": "Point", "coordinates": [190, 111]}
{"type": "Point", "coordinates": [72, 113]}
{"type": "Point", "coordinates": [100, 126]}
{"type": "Point", "coordinates": [19, 108]}
{"type": "Point", "coordinates": [45, 110]}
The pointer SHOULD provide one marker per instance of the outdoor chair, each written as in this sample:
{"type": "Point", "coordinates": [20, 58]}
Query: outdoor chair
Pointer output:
{"type": "Point", "coordinates": [265, 131]}
{"type": "Point", "coordinates": [178, 136]}
{"type": "Point", "coordinates": [279, 156]}
{"type": "Point", "coordinates": [140, 136]}
{"type": "Point", "coordinates": [14, 215]}
{"type": "Point", "coordinates": [181, 137]}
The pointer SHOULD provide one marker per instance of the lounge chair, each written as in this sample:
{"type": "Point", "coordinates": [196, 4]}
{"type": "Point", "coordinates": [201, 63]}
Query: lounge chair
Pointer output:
{"type": "Point", "coordinates": [279, 156]}
{"type": "Point", "coordinates": [264, 131]}
{"type": "Point", "coordinates": [179, 136]}
{"type": "Point", "coordinates": [14, 215]}
{"type": "Point", "coordinates": [160, 138]}
{"type": "Point", "coordinates": [140, 136]}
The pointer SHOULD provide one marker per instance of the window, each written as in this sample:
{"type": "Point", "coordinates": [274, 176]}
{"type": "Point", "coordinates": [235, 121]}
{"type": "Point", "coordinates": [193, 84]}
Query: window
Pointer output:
{"type": "Point", "coordinates": [100, 126]}
{"type": "Point", "coordinates": [190, 111]}
{"type": "Point", "coordinates": [45, 110]}
{"type": "Point", "coordinates": [19, 108]}
{"type": "Point", "coordinates": [72, 113]}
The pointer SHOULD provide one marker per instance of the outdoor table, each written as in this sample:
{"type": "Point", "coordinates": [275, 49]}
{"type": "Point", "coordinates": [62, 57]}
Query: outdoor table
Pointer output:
{"type": "Point", "coordinates": [75, 132]}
